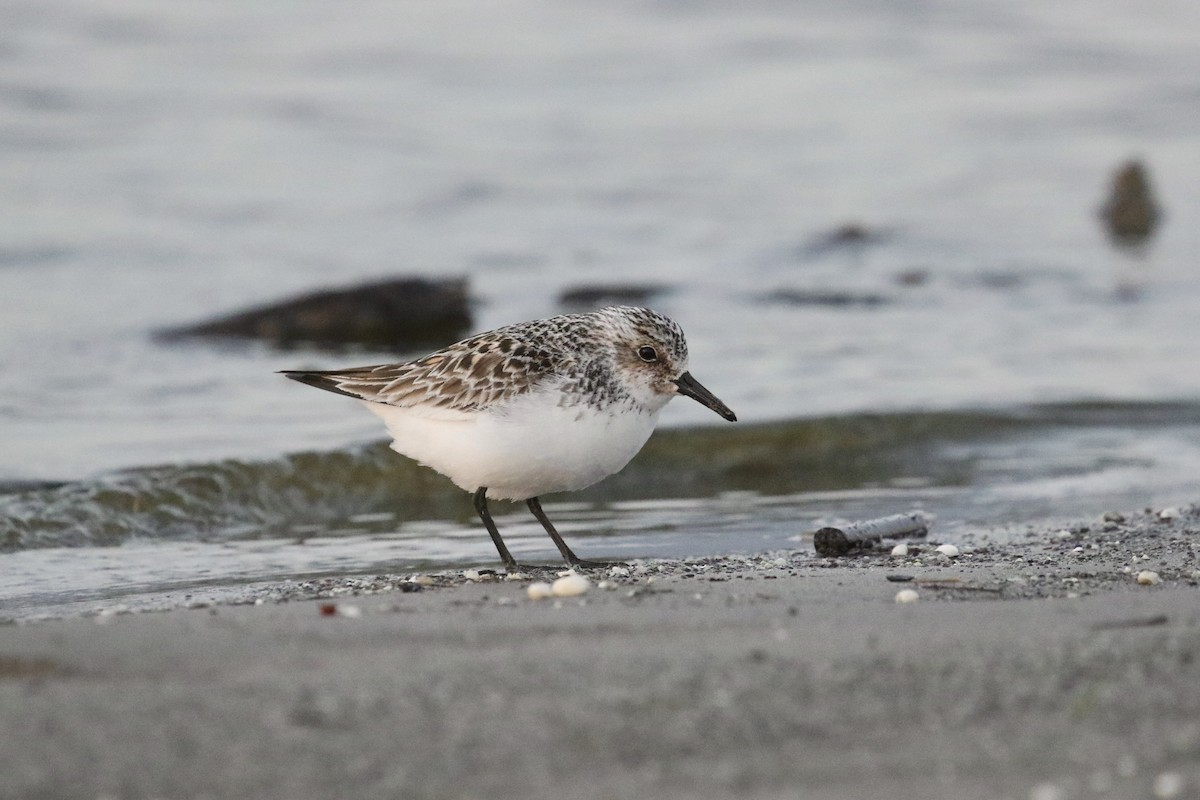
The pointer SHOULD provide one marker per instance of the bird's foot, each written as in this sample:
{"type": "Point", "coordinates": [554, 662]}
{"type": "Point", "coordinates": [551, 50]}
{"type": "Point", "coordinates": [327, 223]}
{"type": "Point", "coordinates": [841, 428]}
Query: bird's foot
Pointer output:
{"type": "Point", "coordinates": [583, 563]}
{"type": "Point", "coordinates": [545, 570]}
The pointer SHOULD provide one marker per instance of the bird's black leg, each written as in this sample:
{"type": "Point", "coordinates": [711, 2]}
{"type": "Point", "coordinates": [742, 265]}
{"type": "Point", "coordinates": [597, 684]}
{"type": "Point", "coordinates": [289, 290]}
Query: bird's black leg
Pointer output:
{"type": "Point", "coordinates": [482, 509]}
{"type": "Point", "coordinates": [575, 561]}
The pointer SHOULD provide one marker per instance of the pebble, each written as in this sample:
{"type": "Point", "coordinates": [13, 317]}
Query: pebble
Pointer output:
{"type": "Point", "coordinates": [1100, 782]}
{"type": "Point", "coordinates": [1047, 791]}
{"type": "Point", "coordinates": [1148, 578]}
{"type": "Point", "coordinates": [539, 590]}
{"type": "Point", "coordinates": [349, 611]}
{"type": "Point", "coordinates": [900, 550]}
{"type": "Point", "coordinates": [1169, 513]}
{"type": "Point", "coordinates": [570, 586]}
{"type": "Point", "coordinates": [948, 550]}
{"type": "Point", "coordinates": [618, 572]}
{"type": "Point", "coordinates": [1168, 785]}
{"type": "Point", "coordinates": [471, 574]}
{"type": "Point", "coordinates": [907, 596]}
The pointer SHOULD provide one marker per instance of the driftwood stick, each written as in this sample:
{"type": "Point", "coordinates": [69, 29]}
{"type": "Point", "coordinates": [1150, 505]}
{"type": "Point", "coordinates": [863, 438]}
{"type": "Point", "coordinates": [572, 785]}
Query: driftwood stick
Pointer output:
{"type": "Point", "coordinates": [839, 541]}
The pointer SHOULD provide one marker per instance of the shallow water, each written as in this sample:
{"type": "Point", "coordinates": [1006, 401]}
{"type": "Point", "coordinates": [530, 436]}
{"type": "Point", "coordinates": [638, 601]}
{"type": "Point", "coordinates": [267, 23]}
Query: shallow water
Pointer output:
{"type": "Point", "coordinates": [162, 164]}
{"type": "Point", "coordinates": [179, 535]}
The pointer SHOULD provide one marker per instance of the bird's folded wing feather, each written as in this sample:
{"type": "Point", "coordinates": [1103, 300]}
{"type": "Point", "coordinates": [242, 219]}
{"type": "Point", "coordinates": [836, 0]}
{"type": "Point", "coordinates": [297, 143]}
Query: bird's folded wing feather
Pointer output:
{"type": "Point", "coordinates": [468, 376]}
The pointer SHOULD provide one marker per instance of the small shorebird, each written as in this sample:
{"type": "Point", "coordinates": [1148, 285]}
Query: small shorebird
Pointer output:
{"type": "Point", "coordinates": [551, 405]}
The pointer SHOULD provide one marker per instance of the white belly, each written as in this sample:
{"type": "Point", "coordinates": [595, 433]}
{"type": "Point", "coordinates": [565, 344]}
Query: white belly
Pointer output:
{"type": "Point", "coordinates": [530, 449]}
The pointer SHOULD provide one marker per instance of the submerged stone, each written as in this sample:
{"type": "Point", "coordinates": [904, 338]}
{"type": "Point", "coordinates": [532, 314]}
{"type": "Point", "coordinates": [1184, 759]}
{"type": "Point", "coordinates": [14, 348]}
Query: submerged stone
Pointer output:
{"type": "Point", "coordinates": [1130, 213]}
{"type": "Point", "coordinates": [590, 296]}
{"type": "Point", "coordinates": [397, 314]}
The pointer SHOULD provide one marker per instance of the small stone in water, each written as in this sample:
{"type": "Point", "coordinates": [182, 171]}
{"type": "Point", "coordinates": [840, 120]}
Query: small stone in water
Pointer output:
{"type": "Point", "coordinates": [471, 574]}
{"type": "Point", "coordinates": [539, 590]}
{"type": "Point", "coordinates": [1148, 578]}
{"type": "Point", "coordinates": [570, 585]}
{"type": "Point", "coordinates": [947, 550]}
{"type": "Point", "coordinates": [907, 596]}
{"type": "Point", "coordinates": [900, 549]}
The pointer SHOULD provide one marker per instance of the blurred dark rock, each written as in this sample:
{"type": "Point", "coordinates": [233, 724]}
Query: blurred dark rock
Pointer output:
{"type": "Point", "coordinates": [597, 295]}
{"type": "Point", "coordinates": [916, 276]}
{"type": "Point", "coordinates": [824, 297]}
{"type": "Point", "coordinates": [1130, 213]}
{"type": "Point", "coordinates": [851, 236]}
{"type": "Point", "coordinates": [1001, 279]}
{"type": "Point", "coordinates": [396, 314]}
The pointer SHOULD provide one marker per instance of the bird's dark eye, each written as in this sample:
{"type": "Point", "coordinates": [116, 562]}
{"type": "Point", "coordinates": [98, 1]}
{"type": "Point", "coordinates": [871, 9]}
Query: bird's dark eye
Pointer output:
{"type": "Point", "coordinates": [647, 353]}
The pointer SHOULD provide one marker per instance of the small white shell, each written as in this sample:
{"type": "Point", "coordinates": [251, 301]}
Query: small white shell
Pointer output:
{"type": "Point", "coordinates": [1148, 578]}
{"type": "Point", "coordinates": [539, 590]}
{"type": "Point", "coordinates": [570, 586]}
{"type": "Point", "coordinates": [1047, 791]}
{"type": "Point", "coordinates": [471, 574]}
{"type": "Point", "coordinates": [618, 572]}
{"type": "Point", "coordinates": [1168, 785]}
{"type": "Point", "coordinates": [907, 596]}
{"type": "Point", "coordinates": [900, 549]}
{"type": "Point", "coordinates": [1169, 513]}
{"type": "Point", "coordinates": [947, 550]}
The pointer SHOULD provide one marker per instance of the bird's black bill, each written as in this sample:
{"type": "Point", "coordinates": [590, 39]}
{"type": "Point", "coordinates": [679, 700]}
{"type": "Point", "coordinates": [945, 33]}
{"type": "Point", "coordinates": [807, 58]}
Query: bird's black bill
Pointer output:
{"type": "Point", "coordinates": [690, 387]}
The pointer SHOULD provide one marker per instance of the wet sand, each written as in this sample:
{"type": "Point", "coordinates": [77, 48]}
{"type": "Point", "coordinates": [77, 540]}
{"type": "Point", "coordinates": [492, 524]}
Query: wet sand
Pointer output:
{"type": "Point", "coordinates": [1032, 670]}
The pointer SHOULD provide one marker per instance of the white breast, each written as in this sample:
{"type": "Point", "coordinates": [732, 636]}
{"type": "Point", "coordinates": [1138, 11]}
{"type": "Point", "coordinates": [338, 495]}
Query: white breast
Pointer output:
{"type": "Point", "coordinates": [529, 448]}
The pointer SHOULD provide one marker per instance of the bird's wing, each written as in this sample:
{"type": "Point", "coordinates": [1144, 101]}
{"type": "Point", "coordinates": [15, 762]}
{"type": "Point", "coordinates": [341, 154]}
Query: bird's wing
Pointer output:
{"type": "Point", "coordinates": [471, 375]}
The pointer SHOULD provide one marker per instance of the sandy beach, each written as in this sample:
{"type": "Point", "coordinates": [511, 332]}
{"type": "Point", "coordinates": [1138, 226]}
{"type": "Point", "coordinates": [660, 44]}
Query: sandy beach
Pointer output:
{"type": "Point", "coordinates": [1039, 670]}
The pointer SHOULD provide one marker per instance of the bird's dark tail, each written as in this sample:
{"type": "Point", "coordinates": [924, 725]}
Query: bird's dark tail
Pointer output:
{"type": "Point", "coordinates": [322, 380]}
